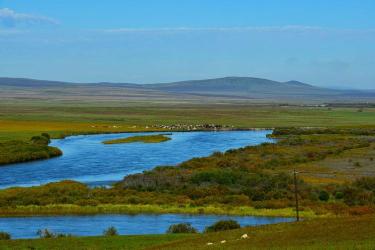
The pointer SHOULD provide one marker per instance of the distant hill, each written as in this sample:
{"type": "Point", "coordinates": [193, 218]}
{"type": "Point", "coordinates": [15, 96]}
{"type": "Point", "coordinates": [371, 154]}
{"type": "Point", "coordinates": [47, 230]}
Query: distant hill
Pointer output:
{"type": "Point", "coordinates": [243, 88]}
{"type": "Point", "coordinates": [25, 82]}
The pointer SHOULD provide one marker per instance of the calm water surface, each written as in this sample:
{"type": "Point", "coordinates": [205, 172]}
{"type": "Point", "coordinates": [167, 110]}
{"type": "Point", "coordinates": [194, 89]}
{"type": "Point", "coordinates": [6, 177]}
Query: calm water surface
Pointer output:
{"type": "Point", "coordinates": [87, 160]}
{"type": "Point", "coordinates": [26, 227]}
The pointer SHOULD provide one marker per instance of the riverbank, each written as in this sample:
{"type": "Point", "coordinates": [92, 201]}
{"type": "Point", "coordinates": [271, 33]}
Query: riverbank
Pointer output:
{"type": "Point", "coordinates": [12, 152]}
{"type": "Point", "coordinates": [67, 209]}
{"type": "Point", "coordinates": [332, 233]}
{"type": "Point", "coordinates": [22, 120]}
{"type": "Point", "coordinates": [235, 182]}
{"type": "Point", "coordinates": [17, 151]}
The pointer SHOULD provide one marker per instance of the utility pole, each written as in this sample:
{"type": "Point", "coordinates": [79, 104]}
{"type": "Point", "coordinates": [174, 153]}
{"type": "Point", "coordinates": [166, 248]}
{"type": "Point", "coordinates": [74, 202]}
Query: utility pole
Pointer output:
{"type": "Point", "coordinates": [296, 194]}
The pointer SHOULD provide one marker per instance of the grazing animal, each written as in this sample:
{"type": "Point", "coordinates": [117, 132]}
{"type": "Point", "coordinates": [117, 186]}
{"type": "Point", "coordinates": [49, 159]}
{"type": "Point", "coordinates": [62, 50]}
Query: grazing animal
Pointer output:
{"type": "Point", "coordinates": [244, 236]}
{"type": "Point", "coordinates": [223, 241]}
{"type": "Point", "coordinates": [209, 243]}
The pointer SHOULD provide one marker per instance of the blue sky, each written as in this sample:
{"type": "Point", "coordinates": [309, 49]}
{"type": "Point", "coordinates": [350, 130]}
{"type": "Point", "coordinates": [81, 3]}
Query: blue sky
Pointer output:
{"type": "Point", "coordinates": [325, 43]}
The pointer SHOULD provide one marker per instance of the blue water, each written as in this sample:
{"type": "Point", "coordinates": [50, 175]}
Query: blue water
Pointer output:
{"type": "Point", "coordinates": [87, 160]}
{"type": "Point", "coordinates": [26, 227]}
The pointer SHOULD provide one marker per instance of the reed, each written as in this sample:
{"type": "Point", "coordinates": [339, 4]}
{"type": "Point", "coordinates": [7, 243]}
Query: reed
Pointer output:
{"type": "Point", "coordinates": [67, 209]}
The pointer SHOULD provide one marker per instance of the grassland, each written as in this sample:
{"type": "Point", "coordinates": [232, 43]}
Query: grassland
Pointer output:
{"type": "Point", "coordinates": [140, 138]}
{"type": "Point", "coordinates": [333, 233]}
{"type": "Point", "coordinates": [24, 120]}
{"type": "Point", "coordinates": [32, 210]}
{"type": "Point", "coordinates": [324, 170]}
{"type": "Point", "coordinates": [254, 180]}
{"type": "Point", "coordinates": [114, 242]}
{"type": "Point", "coordinates": [339, 233]}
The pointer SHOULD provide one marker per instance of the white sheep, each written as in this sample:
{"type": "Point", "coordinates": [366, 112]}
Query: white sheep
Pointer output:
{"type": "Point", "coordinates": [244, 236]}
{"type": "Point", "coordinates": [223, 241]}
{"type": "Point", "coordinates": [209, 243]}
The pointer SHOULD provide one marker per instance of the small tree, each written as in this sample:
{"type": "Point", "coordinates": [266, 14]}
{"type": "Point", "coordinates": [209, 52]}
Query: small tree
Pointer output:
{"type": "Point", "coordinates": [222, 226]}
{"type": "Point", "coordinates": [40, 140]}
{"type": "Point", "coordinates": [323, 195]}
{"type": "Point", "coordinates": [45, 234]}
{"type": "Point", "coordinates": [181, 228]}
{"type": "Point", "coordinates": [111, 231]}
{"type": "Point", "coordinates": [5, 236]}
{"type": "Point", "coordinates": [46, 135]}
{"type": "Point", "coordinates": [339, 195]}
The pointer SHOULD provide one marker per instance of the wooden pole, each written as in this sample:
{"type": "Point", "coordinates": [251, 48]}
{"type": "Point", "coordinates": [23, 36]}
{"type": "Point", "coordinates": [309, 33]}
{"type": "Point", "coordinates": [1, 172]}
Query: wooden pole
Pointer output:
{"type": "Point", "coordinates": [296, 194]}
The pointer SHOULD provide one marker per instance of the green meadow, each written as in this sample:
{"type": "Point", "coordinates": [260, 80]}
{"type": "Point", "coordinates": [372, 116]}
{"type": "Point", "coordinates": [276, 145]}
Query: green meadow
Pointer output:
{"type": "Point", "coordinates": [332, 233]}
{"type": "Point", "coordinates": [335, 172]}
{"type": "Point", "coordinates": [24, 120]}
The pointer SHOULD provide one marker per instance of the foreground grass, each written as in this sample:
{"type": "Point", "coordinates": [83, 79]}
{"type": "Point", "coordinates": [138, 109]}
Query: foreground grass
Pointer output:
{"type": "Point", "coordinates": [332, 233]}
{"type": "Point", "coordinates": [151, 209]}
{"type": "Point", "coordinates": [114, 242]}
{"type": "Point", "coordinates": [139, 138]}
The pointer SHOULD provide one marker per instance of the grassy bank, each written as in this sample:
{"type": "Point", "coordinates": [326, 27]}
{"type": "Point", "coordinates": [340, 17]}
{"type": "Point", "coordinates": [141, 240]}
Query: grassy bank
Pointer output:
{"type": "Point", "coordinates": [92, 243]}
{"type": "Point", "coordinates": [139, 138]}
{"type": "Point", "coordinates": [21, 151]}
{"type": "Point", "coordinates": [254, 180]}
{"type": "Point", "coordinates": [65, 209]}
{"type": "Point", "coordinates": [328, 233]}
{"type": "Point", "coordinates": [340, 233]}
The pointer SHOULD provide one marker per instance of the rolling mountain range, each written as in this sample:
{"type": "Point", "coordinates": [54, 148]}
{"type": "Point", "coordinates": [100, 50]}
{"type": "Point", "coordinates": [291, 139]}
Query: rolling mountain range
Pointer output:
{"type": "Point", "coordinates": [227, 88]}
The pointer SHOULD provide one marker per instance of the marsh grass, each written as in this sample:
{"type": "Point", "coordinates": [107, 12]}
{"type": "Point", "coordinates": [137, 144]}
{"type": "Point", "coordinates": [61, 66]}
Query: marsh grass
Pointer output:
{"type": "Point", "coordinates": [140, 138]}
{"type": "Point", "coordinates": [65, 209]}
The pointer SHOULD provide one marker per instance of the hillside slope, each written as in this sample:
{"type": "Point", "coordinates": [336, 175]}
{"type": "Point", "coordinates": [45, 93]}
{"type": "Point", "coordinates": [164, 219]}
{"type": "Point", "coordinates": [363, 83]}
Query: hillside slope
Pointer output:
{"type": "Point", "coordinates": [242, 86]}
{"type": "Point", "coordinates": [227, 88]}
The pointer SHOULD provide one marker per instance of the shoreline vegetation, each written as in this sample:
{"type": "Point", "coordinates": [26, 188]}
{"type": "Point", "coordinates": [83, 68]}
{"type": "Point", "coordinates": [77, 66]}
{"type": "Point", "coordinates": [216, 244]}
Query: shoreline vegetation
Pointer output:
{"type": "Point", "coordinates": [254, 180]}
{"type": "Point", "coordinates": [140, 138]}
{"type": "Point", "coordinates": [69, 209]}
{"type": "Point", "coordinates": [36, 148]}
{"type": "Point", "coordinates": [18, 151]}
{"type": "Point", "coordinates": [63, 119]}
{"type": "Point", "coordinates": [321, 233]}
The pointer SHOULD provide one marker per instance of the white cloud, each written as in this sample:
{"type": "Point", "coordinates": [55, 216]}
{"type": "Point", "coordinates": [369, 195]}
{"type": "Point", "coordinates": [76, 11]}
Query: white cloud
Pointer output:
{"type": "Point", "coordinates": [10, 18]}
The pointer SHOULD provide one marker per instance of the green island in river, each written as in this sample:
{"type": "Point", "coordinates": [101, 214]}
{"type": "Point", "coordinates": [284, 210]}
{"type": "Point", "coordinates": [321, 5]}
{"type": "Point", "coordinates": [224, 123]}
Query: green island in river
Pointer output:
{"type": "Point", "coordinates": [140, 138]}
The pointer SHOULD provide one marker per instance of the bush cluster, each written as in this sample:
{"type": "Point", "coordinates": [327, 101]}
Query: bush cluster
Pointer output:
{"type": "Point", "coordinates": [5, 236]}
{"type": "Point", "coordinates": [181, 228]}
{"type": "Point", "coordinates": [111, 231]}
{"type": "Point", "coordinates": [222, 226]}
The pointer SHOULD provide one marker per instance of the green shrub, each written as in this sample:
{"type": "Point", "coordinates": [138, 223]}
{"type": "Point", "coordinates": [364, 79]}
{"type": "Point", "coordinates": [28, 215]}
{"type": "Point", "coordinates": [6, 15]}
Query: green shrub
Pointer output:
{"type": "Point", "coordinates": [357, 164]}
{"type": "Point", "coordinates": [323, 195]}
{"type": "Point", "coordinates": [339, 195]}
{"type": "Point", "coordinates": [47, 234]}
{"type": "Point", "coordinates": [40, 140]}
{"type": "Point", "coordinates": [111, 231]}
{"type": "Point", "coordinates": [5, 236]}
{"type": "Point", "coordinates": [222, 226]}
{"type": "Point", "coordinates": [181, 228]}
{"type": "Point", "coordinates": [46, 135]}
{"type": "Point", "coordinates": [215, 176]}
